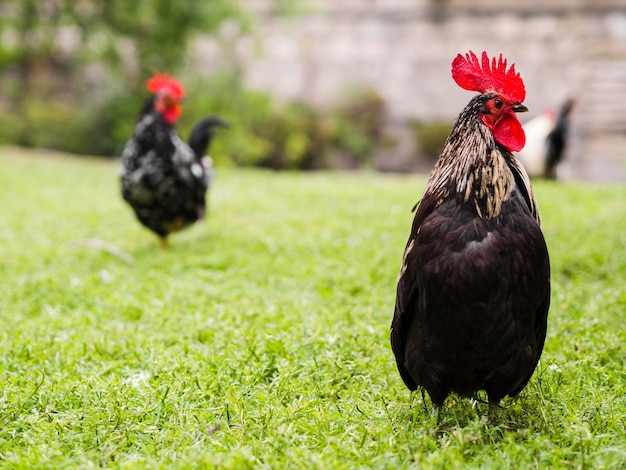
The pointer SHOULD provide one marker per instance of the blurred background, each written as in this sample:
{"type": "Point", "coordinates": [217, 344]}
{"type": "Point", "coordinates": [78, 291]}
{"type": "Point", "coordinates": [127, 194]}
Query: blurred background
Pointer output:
{"type": "Point", "coordinates": [309, 84]}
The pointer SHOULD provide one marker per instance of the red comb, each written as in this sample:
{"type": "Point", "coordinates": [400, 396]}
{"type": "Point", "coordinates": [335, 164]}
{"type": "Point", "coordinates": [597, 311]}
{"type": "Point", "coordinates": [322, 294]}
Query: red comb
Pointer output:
{"type": "Point", "coordinates": [488, 76]}
{"type": "Point", "coordinates": [160, 81]}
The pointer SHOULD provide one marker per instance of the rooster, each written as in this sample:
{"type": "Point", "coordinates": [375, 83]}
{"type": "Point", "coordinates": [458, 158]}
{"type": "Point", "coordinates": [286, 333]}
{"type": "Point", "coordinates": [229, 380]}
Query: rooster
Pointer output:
{"type": "Point", "coordinates": [474, 285]}
{"type": "Point", "coordinates": [546, 141]}
{"type": "Point", "coordinates": [163, 179]}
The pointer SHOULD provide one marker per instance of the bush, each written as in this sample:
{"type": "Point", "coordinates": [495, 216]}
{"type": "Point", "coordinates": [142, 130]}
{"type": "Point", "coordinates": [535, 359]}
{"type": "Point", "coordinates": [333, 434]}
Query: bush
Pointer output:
{"type": "Point", "coordinates": [360, 120]}
{"type": "Point", "coordinates": [293, 135]}
{"type": "Point", "coordinates": [46, 124]}
{"type": "Point", "coordinates": [263, 132]}
{"type": "Point", "coordinates": [431, 136]}
{"type": "Point", "coordinates": [111, 123]}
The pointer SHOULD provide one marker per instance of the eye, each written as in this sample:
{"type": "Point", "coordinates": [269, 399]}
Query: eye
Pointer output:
{"type": "Point", "coordinates": [498, 103]}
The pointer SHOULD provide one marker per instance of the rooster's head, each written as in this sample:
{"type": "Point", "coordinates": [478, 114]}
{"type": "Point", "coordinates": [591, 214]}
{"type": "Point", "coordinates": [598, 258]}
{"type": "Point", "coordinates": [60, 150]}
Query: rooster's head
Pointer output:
{"type": "Point", "coordinates": [169, 94]}
{"type": "Point", "coordinates": [503, 92]}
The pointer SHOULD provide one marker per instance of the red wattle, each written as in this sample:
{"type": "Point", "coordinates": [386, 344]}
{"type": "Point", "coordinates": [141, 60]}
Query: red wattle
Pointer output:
{"type": "Point", "coordinates": [509, 133]}
{"type": "Point", "coordinates": [172, 114]}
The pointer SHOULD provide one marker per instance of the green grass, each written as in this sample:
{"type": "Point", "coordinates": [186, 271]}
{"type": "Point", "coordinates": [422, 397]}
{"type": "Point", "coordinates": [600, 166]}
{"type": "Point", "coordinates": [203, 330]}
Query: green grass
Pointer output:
{"type": "Point", "coordinates": [260, 339]}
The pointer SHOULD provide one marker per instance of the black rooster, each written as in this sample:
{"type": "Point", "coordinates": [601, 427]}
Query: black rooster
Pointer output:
{"type": "Point", "coordinates": [163, 179]}
{"type": "Point", "coordinates": [474, 287]}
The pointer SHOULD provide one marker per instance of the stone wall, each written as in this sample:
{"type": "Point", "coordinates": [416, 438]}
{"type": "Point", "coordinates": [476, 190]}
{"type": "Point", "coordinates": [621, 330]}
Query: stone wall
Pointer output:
{"type": "Point", "coordinates": [403, 48]}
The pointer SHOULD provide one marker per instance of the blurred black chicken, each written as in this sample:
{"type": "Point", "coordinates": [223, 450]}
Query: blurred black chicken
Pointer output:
{"type": "Point", "coordinates": [546, 141]}
{"type": "Point", "coordinates": [163, 179]}
{"type": "Point", "coordinates": [474, 287]}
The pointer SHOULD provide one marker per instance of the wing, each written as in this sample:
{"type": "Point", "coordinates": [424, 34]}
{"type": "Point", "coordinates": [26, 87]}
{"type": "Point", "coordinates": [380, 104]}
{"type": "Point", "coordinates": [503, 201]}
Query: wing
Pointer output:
{"type": "Point", "coordinates": [541, 316]}
{"type": "Point", "coordinates": [407, 293]}
{"type": "Point", "coordinates": [144, 161]}
{"type": "Point", "coordinates": [541, 328]}
{"type": "Point", "coordinates": [523, 183]}
{"type": "Point", "coordinates": [542, 274]}
{"type": "Point", "coordinates": [541, 281]}
{"type": "Point", "coordinates": [189, 168]}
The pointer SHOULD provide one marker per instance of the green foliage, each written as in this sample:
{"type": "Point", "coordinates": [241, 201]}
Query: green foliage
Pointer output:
{"type": "Point", "coordinates": [262, 132]}
{"type": "Point", "coordinates": [359, 122]}
{"type": "Point", "coordinates": [128, 39]}
{"type": "Point", "coordinates": [261, 338]}
{"type": "Point", "coordinates": [111, 124]}
{"type": "Point", "coordinates": [73, 80]}
{"type": "Point", "coordinates": [161, 29]}
{"type": "Point", "coordinates": [60, 125]}
{"type": "Point", "coordinates": [431, 136]}
{"type": "Point", "coordinates": [46, 124]}
{"type": "Point", "coordinates": [286, 136]}
{"type": "Point", "coordinates": [73, 73]}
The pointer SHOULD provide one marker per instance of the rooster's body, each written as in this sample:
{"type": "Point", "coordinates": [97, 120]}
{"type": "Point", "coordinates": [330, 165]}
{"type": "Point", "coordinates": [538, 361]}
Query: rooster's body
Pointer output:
{"type": "Point", "coordinates": [164, 179]}
{"type": "Point", "coordinates": [474, 290]}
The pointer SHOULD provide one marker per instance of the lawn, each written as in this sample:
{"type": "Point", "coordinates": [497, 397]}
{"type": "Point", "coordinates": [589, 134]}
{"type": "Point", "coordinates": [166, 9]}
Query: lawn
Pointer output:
{"type": "Point", "coordinates": [260, 339]}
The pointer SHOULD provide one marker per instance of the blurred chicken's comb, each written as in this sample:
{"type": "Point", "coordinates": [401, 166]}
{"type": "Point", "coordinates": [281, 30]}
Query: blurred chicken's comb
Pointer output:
{"type": "Point", "coordinates": [160, 81]}
{"type": "Point", "coordinates": [488, 76]}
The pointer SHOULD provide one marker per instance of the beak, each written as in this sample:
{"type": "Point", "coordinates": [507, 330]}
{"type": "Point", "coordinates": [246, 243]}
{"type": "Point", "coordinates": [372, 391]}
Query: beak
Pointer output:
{"type": "Point", "coordinates": [519, 108]}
